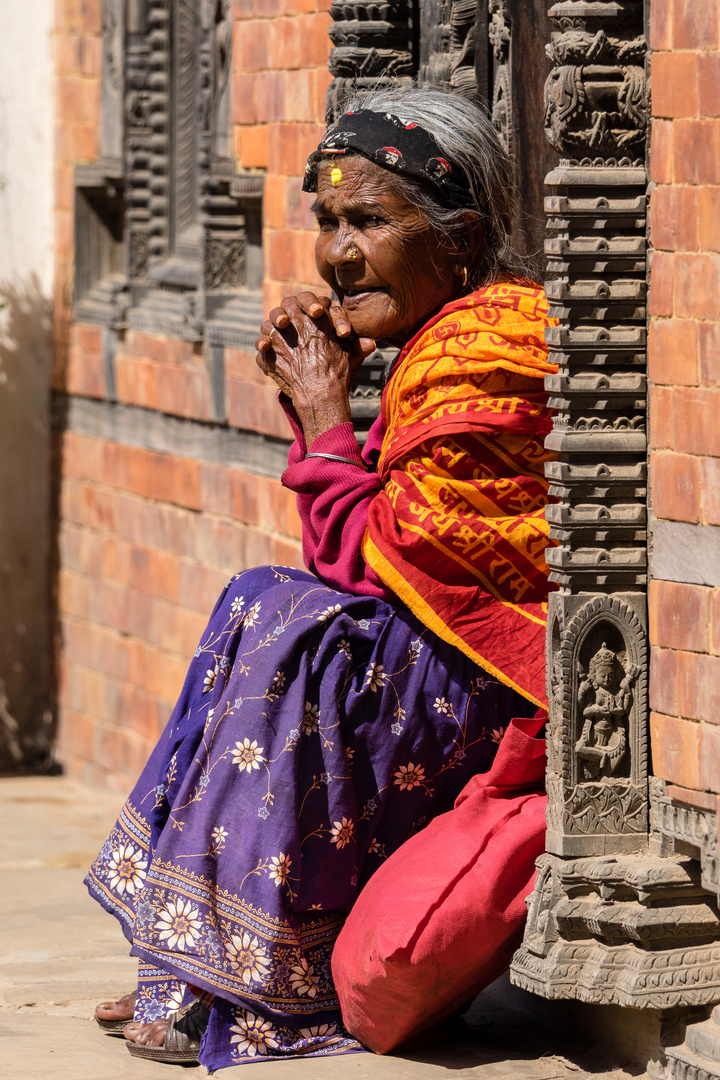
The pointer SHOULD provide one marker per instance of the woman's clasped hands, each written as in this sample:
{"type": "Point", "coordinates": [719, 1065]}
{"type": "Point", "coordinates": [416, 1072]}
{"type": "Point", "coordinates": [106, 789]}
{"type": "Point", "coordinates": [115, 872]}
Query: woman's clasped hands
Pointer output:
{"type": "Point", "coordinates": [308, 348]}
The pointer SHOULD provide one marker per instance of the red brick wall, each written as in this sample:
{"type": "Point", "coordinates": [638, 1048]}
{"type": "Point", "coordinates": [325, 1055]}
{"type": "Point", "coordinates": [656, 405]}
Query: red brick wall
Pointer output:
{"type": "Point", "coordinates": [146, 543]}
{"type": "Point", "coordinates": [684, 365]}
{"type": "Point", "coordinates": [281, 50]}
{"type": "Point", "coordinates": [147, 539]}
{"type": "Point", "coordinates": [78, 58]}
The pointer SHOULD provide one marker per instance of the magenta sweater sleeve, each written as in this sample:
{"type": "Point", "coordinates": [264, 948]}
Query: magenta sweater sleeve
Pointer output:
{"type": "Point", "coordinates": [333, 499]}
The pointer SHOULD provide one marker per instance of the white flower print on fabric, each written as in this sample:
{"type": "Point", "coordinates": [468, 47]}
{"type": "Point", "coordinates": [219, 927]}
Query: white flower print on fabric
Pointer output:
{"type": "Point", "coordinates": [303, 980]}
{"type": "Point", "coordinates": [247, 755]}
{"type": "Point", "coordinates": [237, 605]}
{"type": "Point", "coordinates": [252, 615]}
{"type": "Point", "coordinates": [179, 924]}
{"type": "Point", "coordinates": [364, 624]}
{"type": "Point", "coordinates": [247, 955]}
{"type": "Point", "coordinates": [344, 646]}
{"type": "Point", "coordinates": [310, 718]}
{"type": "Point", "coordinates": [334, 609]}
{"type": "Point", "coordinates": [396, 728]}
{"type": "Point", "coordinates": [279, 680]}
{"type": "Point", "coordinates": [375, 676]}
{"type": "Point", "coordinates": [280, 868]}
{"type": "Point", "coordinates": [252, 1035]}
{"type": "Point", "coordinates": [264, 813]}
{"type": "Point", "coordinates": [342, 832]}
{"type": "Point", "coordinates": [126, 870]}
{"type": "Point", "coordinates": [416, 645]}
{"type": "Point", "coordinates": [442, 706]}
{"type": "Point", "coordinates": [409, 776]}
{"type": "Point", "coordinates": [318, 1031]}
{"type": "Point", "coordinates": [209, 680]}
{"type": "Point", "coordinates": [219, 835]}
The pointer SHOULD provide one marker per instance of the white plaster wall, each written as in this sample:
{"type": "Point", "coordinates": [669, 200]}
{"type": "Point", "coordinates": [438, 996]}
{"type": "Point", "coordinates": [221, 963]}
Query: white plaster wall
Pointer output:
{"type": "Point", "coordinates": [26, 141]}
{"type": "Point", "coordinates": [26, 285]}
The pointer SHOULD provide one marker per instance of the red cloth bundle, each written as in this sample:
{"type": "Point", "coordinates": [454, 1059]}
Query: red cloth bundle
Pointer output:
{"type": "Point", "coordinates": [442, 917]}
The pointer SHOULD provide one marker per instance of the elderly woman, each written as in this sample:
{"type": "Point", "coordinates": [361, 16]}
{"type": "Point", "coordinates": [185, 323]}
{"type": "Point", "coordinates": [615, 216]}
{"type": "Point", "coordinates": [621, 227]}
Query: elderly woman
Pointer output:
{"type": "Point", "coordinates": [327, 716]}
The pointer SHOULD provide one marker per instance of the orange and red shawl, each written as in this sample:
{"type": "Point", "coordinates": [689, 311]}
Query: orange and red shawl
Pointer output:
{"type": "Point", "coordinates": [458, 532]}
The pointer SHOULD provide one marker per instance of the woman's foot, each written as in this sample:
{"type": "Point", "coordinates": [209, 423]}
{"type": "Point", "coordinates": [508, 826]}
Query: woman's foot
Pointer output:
{"type": "Point", "coordinates": [116, 1012]}
{"type": "Point", "coordinates": [112, 1016]}
{"type": "Point", "coordinates": [147, 1034]}
{"type": "Point", "coordinates": [176, 1039]}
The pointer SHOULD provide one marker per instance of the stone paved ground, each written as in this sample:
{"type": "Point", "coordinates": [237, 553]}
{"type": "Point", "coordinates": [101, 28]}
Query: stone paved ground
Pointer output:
{"type": "Point", "coordinates": [60, 954]}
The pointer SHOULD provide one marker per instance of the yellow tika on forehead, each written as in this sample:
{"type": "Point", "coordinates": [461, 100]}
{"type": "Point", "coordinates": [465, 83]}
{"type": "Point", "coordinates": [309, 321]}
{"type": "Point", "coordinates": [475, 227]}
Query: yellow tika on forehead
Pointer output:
{"type": "Point", "coordinates": [335, 176]}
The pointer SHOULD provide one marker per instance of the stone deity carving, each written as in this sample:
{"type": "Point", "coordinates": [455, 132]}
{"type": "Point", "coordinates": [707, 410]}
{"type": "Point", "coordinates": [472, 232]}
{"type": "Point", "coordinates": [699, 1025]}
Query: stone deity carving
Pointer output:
{"type": "Point", "coordinates": [605, 699]}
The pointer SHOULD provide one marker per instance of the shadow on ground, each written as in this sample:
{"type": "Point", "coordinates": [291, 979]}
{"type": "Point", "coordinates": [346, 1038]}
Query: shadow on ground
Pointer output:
{"type": "Point", "coordinates": [60, 954]}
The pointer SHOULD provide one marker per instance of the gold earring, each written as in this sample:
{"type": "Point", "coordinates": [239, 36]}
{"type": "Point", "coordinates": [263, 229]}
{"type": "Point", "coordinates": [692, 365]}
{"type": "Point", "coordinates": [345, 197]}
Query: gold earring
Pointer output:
{"type": "Point", "coordinates": [352, 253]}
{"type": "Point", "coordinates": [464, 276]}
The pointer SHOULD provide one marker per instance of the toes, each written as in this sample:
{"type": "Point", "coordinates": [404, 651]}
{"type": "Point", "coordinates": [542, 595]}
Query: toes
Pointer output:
{"type": "Point", "coordinates": [146, 1034]}
{"type": "Point", "coordinates": [123, 1009]}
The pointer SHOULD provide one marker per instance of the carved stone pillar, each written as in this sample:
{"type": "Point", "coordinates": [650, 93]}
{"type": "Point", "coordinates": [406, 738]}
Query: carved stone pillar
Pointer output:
{"type": "Point", "coordinates": [609, 922]}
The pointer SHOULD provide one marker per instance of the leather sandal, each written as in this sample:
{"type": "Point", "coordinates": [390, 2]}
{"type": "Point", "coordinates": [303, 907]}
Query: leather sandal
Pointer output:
{"type": "Point", "coordinates": [182, 1038]}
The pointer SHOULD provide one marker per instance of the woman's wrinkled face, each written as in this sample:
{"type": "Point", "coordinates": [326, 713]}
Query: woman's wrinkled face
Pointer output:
{"type": "Point", "coordinates": [401, 276]}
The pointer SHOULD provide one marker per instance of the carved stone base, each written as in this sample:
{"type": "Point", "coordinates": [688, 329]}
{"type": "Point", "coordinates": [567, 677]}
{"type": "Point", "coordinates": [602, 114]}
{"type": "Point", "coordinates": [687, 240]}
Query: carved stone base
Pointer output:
{"type": "Point", "coordinates": [597, 781]}
{"type": "Point", "coordinates": [691, 830]}
{"type": "Point", "coordinates": [698, 1057]}
{"type": "Point", "coordinates": [629, 931]}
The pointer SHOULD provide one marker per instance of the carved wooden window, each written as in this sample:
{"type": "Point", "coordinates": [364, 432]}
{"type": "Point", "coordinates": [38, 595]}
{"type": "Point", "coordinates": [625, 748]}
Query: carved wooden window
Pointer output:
{"type": "Point", "coordinates": [168, 231]}
{"type": "Point", "coordinates": [183, 224]}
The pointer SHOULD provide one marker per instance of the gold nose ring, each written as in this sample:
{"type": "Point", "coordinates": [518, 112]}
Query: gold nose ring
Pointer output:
{"type": "Point", "coordinates": [352, 253]}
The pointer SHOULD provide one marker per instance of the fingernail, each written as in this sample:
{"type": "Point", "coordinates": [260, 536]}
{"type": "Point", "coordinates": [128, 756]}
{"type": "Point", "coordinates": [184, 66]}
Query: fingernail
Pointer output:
{"type": "Point", "coordinates": [343, 328]}
{"type": "Point", "coordinates": [316, 310]}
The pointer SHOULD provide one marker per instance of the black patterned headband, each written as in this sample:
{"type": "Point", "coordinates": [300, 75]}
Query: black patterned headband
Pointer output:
{"type": "Point", "coordinates": [397, 145]}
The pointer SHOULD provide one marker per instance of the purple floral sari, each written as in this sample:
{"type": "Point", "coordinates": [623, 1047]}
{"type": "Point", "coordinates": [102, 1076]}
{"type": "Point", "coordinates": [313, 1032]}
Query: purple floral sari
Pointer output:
{"type": "Point", "coordinates": [316, 731]}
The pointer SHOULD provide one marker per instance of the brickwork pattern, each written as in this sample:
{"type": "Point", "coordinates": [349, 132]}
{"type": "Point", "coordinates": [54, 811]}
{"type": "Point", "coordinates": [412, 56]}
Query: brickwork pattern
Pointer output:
{"type": "Point", "coordinates": [78, 59]}
{"type": "Point", "coordinates": [146, 541]}
{"type": "Point", "coordinates": [281, 50]}
{"type": "Point", "coordinates": [684, 367]}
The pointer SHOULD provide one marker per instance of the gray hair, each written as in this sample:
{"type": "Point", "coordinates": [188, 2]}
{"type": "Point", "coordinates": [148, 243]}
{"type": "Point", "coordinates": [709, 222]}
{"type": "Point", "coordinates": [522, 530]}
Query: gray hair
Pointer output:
{"type": "Point", "coordinates": [467, 138]}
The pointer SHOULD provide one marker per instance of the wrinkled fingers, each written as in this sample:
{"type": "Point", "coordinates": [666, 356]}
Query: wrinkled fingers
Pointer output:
{"type": "Point", "coordinates": [307, 303]}
{"type": "Point", "coordinates": [264, 343]}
